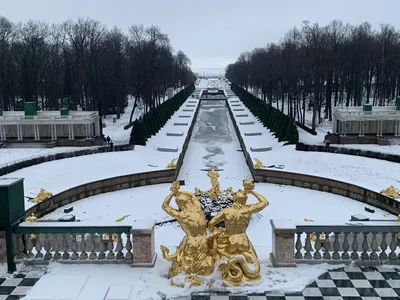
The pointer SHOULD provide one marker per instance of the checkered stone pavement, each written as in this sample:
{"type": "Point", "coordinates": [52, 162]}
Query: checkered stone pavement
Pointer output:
{"type": "Point", "coordinates": [350, 283]}
{"type": "Point", "coordinates": [17, 287]}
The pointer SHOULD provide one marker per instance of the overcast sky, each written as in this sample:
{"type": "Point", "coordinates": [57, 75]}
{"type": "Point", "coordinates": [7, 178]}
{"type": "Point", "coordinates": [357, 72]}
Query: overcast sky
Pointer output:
{"type": "Point", "coordinates": [211, 32]}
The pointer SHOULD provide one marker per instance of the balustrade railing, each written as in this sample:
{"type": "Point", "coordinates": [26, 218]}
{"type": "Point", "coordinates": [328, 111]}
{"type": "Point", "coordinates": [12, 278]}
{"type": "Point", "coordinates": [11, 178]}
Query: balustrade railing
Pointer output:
{"type": "Point", "coordinates": [363, 242]}
{"type": "Point", "coordinates": [75, 242]}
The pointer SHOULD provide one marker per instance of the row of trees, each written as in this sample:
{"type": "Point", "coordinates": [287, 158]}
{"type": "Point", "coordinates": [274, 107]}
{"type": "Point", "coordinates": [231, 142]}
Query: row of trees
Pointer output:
{"type": "Point", "coordinates": [280, 124]}
{"type": "Point", "coordinates": [85, 64]}
{"type": "Point", "coordinates": [316, 67]}
{"type": "Point", "coordinates": [152, 122]}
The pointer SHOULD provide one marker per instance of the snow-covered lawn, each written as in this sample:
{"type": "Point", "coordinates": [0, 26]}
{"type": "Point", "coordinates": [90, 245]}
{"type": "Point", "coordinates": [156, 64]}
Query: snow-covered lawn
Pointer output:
{"type": "Point", "coordinates": [369, 173]}
{"type": "Point", "coordinates": [12, 155]}
{"type": "Point", "coordinates": [59, 175]}
{"type": "Point", "coordinates": [91, 282]}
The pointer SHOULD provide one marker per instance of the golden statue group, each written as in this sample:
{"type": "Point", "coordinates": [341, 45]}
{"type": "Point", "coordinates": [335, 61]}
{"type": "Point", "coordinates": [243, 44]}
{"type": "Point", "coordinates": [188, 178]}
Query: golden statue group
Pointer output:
{"type": "Point", "coordinates": [228, 248]}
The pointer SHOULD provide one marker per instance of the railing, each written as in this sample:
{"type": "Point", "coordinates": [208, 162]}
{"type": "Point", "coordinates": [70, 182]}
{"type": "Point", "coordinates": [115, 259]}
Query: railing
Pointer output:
{"type": "Point", "coordinates": [372, 242]}
{"type": "Point", "coordinates": [362, 243]}
{"type": "Point", "coordinates": [44, 242]}
{"type": "Point", "coordinates": [358, 111]}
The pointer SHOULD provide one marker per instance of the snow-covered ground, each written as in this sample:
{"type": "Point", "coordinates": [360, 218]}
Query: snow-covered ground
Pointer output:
{"type": "Point", "coordinates": [213, 143]}
{"type": "Point", "coordinates": [91, 282]}
{"type": "Point", "coordinates": [370, 173]}
{"type": "Point", "coordinates": [13, 155]}
{"type": "Point", "coordinates": [59, 175]}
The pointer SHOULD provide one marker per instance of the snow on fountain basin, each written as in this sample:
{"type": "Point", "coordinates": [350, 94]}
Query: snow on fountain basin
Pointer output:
{"type": "Point", "coordinates": [286, 202]}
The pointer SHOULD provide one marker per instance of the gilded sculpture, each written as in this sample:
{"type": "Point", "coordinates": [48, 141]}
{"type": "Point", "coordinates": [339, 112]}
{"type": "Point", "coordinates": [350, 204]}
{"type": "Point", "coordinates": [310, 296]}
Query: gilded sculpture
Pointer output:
{"type": "Point", "coordinates": [195, 254]}
{"type": "Point", "coordinates": [198, 253]}
{"type": "Point", "coordinates": [31, 219]}
{"type": "Point", "coordinates": [258, 164]}
{"type": "Point", "coordinates": [215, 191]}
{"type": "Point", "coordinates": [106, 236]}
{"type": "Point", "coordinates": [233, 241]}
{"type": "Point", "coordinates": [42, 195]}
{"type": "Point", "coordinates": [172, 164]}
{"type": "Point", "coordinates": [391, 192]}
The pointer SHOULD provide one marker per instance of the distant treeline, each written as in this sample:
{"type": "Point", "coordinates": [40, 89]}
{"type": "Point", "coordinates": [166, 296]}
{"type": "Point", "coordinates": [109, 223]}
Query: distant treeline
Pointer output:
{"type": "Point", "coordinates": [85, 64]}
{"type": "Point", "coordinates": [315, 67]}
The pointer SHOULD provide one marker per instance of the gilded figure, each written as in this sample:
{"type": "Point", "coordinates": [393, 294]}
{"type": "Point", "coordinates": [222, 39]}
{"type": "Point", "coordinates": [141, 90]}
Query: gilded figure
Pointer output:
{"type": "Point", "coordinates": [215, 191]}
{"type": "Point", "coordinates": [195, 254]}
{"type": "Point", "coordinates": [391, 192]}
{"type": "Point", "coordinates": [258, 164]}
{"type": "Point", "coordinates": [172, 164]}
{"type": "Point", "coordinates": [234, 247]}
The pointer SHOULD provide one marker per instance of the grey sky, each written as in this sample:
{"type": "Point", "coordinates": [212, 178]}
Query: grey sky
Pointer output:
{"type": "Point", "coordinates": [211, 32]}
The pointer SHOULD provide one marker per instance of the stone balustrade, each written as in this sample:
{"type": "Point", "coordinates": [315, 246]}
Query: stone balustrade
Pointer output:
{"type": "Point", "coordinates": [362, 243]}
{"type": "Point", "coordinates": [85, 243]}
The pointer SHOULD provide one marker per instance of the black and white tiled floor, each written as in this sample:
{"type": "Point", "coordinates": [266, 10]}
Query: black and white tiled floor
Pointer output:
{"type": "Point", "coordinates": [16, 287]}
{"type": "Point", "coordinates": [350, 283]}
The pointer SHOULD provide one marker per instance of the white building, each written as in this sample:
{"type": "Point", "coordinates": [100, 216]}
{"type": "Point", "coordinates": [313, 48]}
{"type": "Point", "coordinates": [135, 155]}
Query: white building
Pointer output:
{"type": "Point", "coordinates": [367, 120]}
{"type": "Point", "coordinates": [49, 125]}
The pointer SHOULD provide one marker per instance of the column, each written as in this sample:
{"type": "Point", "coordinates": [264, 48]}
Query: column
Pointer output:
{"type": "Point", "coordinates": [363, 128]}
{"type": "Point", "coordinates": [87, 131]}
{"type": "Point", "coordinates": [396, 127]}
{"type": "Point", "coordinates": [19, 132]}
{"type": "Point", "coordinates": [378, 123]}
{"type": "Point", "coordinates": [52, 131]}
{"type": "Point", "coordinates": [2, 137]}
{"type": "Point", "coordinates": [361, 125]}
{"type": "Point", "coordinates": [37, 132]}
{"type": "Point", "coordinates": [344, 128]}
{"type": "Point", "coordinates": [283, 235]}
{"type": "Point", "coordinates": [55, 131]}
{"type": "Point", "coordinates": [381, 128]}
{"type": "Point", "coordinates": [72, 131]}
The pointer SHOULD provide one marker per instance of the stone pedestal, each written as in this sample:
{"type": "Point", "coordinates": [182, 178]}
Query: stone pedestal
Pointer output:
{"type": "Point", "coordinates": [283, 233]}
{"type": "Point", "coordinates": [143, 244]}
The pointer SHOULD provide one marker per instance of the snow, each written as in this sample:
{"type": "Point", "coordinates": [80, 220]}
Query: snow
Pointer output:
{"type": "Point", "coordinates": [10, 156]}
{"type": "Point", "coordinates": [370, 173]}
{"type": "Point", "coordinates": [58, 289]}
{"type": "Point", "coordinates": [213, 143]}
{"type": "Point", "coordinates": [60, 175]}
{"type": "Point", "coordinates": [8, 181]}
{"type": "Point", "coordinates": [150, 283]}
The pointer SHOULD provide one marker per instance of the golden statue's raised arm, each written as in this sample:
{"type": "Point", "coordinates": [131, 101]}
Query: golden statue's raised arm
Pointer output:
{"type": "Point", "coordinates": [262, 203]}
{"type": "Point", "coordinates": [167, 208]}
